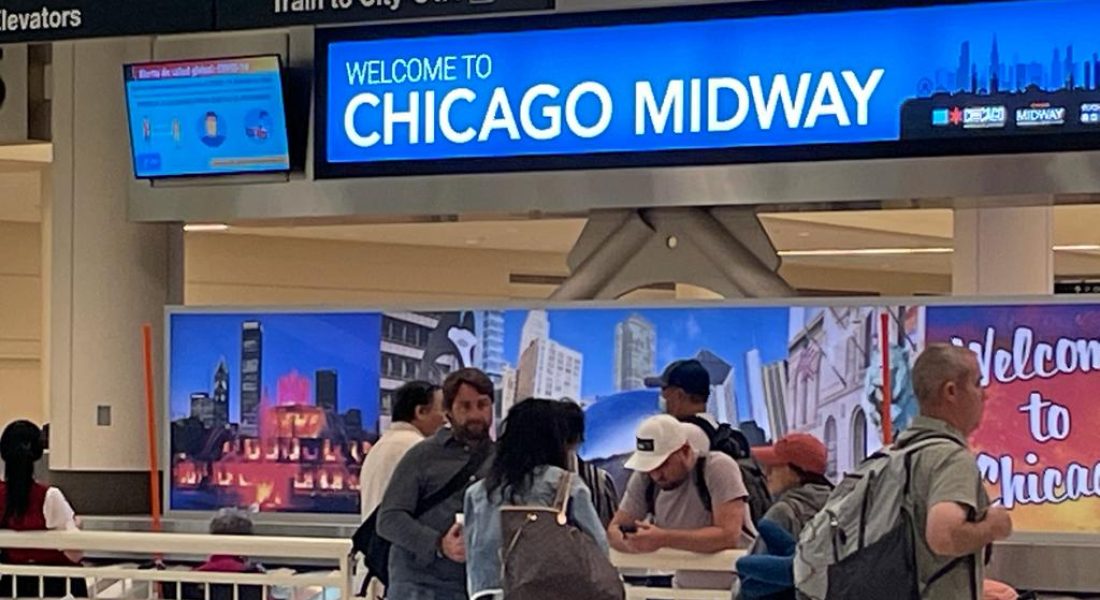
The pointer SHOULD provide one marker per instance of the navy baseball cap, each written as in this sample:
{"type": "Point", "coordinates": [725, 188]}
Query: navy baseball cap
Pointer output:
{"type": "Point", "coordinates": [689, 375]}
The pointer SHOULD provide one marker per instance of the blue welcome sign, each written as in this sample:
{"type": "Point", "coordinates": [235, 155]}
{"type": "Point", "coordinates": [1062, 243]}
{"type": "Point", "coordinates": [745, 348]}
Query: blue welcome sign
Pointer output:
{"type": "Point", "coordinates": [707, 85]}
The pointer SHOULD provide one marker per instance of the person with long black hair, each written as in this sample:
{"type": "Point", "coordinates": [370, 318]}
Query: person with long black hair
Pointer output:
{"type": "Point", "coordinates": [26, 505]}
{"type": "Point", "coordinates": [533, 453]}
{"type": "Point", "coordinates": [599, 481]}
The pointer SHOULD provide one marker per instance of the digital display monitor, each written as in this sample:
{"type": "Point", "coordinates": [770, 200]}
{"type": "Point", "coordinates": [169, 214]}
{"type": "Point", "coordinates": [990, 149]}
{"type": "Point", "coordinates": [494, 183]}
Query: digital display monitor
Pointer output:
{"type": "Point", "coordinates": [207, 117]}
{"type": "Point", "coordinates": [749, 82]}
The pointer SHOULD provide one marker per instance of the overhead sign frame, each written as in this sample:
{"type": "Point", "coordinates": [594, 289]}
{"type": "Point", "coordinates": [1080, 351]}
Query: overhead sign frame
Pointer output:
{"type": "Point", "coordinates": [253, 14]}
{"type": "Point", "coordinates": [1032, 141]}
{"type": "Point", "coordinates": [58, 20]}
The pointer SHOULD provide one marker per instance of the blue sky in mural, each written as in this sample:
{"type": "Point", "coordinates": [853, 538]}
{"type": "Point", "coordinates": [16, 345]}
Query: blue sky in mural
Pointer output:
{"type": "Point", "coordinates": [728, 333]}
{"type": "Point", "coordinates": [302, 343]}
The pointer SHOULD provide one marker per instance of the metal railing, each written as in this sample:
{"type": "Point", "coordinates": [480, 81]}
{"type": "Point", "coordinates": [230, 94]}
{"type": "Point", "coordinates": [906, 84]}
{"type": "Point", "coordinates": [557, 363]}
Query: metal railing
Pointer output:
{"type": "Point", "coordinates": [667, 561]}
{"type": "Point", "coordinates": [126, 571]}
{"type": "Point", "coordinates": [117, 566]}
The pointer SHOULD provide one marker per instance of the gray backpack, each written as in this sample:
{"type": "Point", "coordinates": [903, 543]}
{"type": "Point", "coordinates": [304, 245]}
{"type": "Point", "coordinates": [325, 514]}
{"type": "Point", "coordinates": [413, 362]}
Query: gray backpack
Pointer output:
{"type": "Point", "coordinates": [861, 545]}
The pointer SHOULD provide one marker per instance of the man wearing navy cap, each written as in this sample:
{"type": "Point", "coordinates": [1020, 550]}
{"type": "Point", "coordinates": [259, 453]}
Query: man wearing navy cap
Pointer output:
{"type": "Point", "coordinates": [685, 389]}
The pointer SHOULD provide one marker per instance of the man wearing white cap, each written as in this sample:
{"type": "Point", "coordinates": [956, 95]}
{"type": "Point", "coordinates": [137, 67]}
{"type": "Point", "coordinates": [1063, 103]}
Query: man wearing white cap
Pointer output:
{"type": "Point", "coordinates": [696, 501]}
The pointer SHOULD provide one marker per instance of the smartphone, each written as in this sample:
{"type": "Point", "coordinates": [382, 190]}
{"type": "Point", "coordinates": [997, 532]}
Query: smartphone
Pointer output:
{"type": "Point", "coordinates": [628, 529]}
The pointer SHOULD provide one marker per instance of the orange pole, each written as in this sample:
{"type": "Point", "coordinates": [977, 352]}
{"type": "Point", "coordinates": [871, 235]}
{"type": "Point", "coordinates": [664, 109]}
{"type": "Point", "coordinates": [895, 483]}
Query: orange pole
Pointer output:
{"type": "Point", "coordinates": [151, 426]}
{"type": "Point", "coordinates": [887, 418]}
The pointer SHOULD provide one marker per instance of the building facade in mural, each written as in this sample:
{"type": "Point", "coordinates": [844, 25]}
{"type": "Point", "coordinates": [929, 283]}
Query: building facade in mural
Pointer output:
{"type": "Point", "coordinates": [830, 353]}
{"type": "Point", "coordinates": [758, 404]}
{"type": "Point", "coordinates": [221, 394]}
{"type": "Point", "coordinates": [404, 340]}
{"type": "Point", "coordinates": [635, 352]}
{"type": "Point", "coordinates": [723, 399]}
{"type": "Point", "coordinates": [491, 345]}
{"type": "Point", "coordinates": [507, 391]}
{"type": "Point", "coordinates": [423, 346]}
{"type": "Point", "coordinates": [775, 397]}
{"type": "Point", "coordinates": [536, 326]}
{"type": "Point", "coordinates": [452, 345]}
{"type": "Point", "coordinates": [547, 369]}
{"type": "Point", "coordinates": [252, 339]}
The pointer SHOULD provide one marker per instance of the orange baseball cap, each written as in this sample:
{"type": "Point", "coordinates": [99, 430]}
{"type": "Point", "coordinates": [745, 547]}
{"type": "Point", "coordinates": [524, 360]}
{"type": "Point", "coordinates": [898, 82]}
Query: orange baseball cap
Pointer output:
{"type": "Point", "coordinates": [799, 449]}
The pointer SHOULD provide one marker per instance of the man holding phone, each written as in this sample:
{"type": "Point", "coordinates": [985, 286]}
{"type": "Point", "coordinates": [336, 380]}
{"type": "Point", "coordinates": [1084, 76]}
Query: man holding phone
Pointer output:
{"type": "Point", "coordinates": [696, 501]}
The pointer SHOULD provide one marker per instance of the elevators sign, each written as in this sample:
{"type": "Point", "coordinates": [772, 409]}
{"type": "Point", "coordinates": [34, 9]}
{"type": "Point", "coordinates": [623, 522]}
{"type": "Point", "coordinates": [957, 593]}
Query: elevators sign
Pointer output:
{"type": "Point", "coordinates": [48, 20]}
{"type": "Point", "coordinates": [51, 20]}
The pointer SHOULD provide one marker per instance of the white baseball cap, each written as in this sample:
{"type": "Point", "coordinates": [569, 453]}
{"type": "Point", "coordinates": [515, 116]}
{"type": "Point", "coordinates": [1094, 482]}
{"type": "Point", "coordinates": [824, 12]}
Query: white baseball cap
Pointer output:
{"type": "Point", "coordinates": [658, 438]}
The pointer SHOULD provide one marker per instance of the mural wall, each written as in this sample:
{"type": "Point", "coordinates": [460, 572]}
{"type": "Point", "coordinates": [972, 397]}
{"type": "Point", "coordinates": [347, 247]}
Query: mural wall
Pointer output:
{"type": "Point", "coordinates": [277, 410]}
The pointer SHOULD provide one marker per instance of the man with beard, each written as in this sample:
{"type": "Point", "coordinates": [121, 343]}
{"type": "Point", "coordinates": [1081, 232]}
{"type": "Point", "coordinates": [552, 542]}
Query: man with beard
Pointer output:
{"type": "Point", "coordinates": [696, 502]}
{"type": "Point", "coordinates": [419, 512]}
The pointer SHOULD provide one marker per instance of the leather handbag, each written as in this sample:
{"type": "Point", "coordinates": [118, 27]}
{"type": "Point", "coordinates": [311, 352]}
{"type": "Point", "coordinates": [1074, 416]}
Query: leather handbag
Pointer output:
{"type": "Point", "coordinates": [545, 557]}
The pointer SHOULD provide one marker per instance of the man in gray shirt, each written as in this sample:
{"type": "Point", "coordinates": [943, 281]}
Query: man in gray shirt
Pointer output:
{"type": "Point", "coordinates": [954, 519]}
{"type": "Point", "coordinates": [666, 486]}
{"type": "Point", "coordinates": [427, 560]}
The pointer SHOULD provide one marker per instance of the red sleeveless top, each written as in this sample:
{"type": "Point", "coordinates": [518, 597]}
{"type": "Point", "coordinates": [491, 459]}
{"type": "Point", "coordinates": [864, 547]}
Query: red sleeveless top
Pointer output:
{"type": "Point", "coordinates": [33, 520]}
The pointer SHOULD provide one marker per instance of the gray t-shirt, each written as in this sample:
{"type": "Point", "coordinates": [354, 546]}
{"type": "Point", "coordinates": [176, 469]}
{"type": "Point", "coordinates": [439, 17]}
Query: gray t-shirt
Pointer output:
{"type": "Point", "coordinates": [945, 473]}
{"type": "Point", "coordinates": [683, 508]}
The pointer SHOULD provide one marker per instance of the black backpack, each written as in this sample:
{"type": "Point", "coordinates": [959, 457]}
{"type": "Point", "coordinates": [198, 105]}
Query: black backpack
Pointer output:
{"type": "Point", "coordinates": [731, 442]}
{"type": "Point", "coordinates": [376, 549]}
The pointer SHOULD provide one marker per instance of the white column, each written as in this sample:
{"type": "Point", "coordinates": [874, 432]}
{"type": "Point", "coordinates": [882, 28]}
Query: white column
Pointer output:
{"type": "Point", "coordinates": [1004, 251]}
{"type": "Point", "coordinates": [104, 276]}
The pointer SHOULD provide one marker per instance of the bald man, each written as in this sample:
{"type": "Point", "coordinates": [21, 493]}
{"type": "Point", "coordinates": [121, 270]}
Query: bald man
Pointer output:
{"type": "Point", "coordinates": [954, 519]}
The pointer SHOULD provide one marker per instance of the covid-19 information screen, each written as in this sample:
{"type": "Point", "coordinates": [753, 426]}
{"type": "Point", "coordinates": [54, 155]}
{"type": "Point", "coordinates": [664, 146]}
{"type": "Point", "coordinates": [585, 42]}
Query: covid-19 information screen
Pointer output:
{"type": "Point", "coordinates": [210, 117]}
{"type": "Point", "coordinates": [830, 80]}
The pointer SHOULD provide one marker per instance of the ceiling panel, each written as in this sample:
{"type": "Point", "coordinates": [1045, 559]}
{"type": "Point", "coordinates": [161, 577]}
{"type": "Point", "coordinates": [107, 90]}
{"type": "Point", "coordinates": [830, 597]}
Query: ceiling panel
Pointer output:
{"type": "Point", "coordinates": [548, 235]}
{"type": "Point", "coordinates": [1077, 224]}
{"type": "Point", "coordinates": [931, 223]}
{"type": "Point", "coordinates": [802, 231]}
{"type": "Point", "coordinates": [804, 234]}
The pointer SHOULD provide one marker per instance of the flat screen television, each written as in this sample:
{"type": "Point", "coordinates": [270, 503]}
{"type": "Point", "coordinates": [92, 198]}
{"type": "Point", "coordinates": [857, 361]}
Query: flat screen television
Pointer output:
{"type": "Point", "coordinates": [207, 117]}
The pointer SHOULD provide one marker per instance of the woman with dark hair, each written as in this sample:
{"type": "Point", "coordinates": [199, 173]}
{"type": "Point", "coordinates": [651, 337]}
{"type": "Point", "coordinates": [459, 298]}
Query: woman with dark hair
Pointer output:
{"type": "Point", "coordinates": [599, 482]}
{"type": "Point", "coordinates": [26, 505]}
{"type": "Point", "coordinates": [532, 456]}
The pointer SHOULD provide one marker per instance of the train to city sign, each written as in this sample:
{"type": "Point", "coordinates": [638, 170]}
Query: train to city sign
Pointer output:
{"type": "Point", "coordinates": [681, 82]}
{"type": "Point", "coordinates": [278, 409]}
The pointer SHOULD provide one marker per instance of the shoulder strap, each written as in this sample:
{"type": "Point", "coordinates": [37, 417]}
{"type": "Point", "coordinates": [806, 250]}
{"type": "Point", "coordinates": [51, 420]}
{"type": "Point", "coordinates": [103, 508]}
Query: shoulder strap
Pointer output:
{"type": "Point", "coordinates": [703, 424]}
{"type": "Point", "coordinates": [650, 495]}
{"type": "Point", "coordinates": [921, 442]}
{"type": "Point", "coordinates": [700, 476]}
{"type": "Point", "coordinates": [701, 486]}
{"type": "Point", "coordinates": [561, 502]}
{"type": "Point", "coordinates": [456, 483]}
